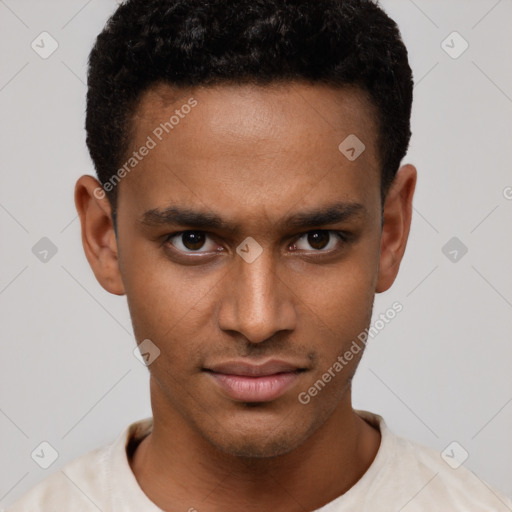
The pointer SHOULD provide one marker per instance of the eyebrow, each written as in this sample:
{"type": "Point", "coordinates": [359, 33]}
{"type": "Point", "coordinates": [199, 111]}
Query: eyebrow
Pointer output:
{"type": "Point", "coordinates": [178, 216]}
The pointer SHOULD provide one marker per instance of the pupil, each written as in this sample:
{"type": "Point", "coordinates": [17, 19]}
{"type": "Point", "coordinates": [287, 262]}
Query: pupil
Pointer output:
{"type": "Point", "coordinates": [193, 240]}
{"type": "Point", "coordinates": [318, 239]}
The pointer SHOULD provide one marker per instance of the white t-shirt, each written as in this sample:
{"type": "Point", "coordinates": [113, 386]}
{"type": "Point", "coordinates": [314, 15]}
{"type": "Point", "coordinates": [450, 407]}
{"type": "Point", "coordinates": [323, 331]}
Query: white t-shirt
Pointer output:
{"type": "Point", "coordinates": [404, 476]}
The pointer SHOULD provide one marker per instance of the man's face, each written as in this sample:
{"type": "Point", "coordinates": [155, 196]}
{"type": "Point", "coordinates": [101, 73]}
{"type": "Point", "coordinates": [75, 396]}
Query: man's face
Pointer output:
{"type": "Point", "coordinates": [262, 160]}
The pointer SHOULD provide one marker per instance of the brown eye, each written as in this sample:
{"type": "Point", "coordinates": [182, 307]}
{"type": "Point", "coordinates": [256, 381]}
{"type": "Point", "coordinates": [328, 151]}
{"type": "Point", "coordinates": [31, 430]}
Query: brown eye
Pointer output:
{"type": "Point", "coordinates": [318, 239]}
{"type": "Point", "coordinates": [193, 240]}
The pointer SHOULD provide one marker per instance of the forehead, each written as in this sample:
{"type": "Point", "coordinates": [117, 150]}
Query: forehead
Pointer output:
{"type": "Point", "coordinates": [252, 148]}
{"type": "Point", "coordinates": [257, 114]}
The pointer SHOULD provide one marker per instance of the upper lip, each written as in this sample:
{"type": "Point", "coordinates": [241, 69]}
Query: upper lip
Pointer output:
{"type": "Point", "coordinates": [254, 370]}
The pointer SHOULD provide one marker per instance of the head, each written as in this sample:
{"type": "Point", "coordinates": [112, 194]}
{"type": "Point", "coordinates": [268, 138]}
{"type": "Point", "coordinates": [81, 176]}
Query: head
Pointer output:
{"type": "Point", "coordinates": [250, 200]}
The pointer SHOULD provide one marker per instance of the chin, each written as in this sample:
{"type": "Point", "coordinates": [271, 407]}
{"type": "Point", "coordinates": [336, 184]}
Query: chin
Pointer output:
{"type": "Point", "coordinates": [266, 446]}
{"type": "Point", "coordinates": [258, 439]}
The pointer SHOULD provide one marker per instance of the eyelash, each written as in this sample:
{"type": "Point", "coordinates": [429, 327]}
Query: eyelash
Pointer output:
{"type": "Point", "coordinates": [343, 237]}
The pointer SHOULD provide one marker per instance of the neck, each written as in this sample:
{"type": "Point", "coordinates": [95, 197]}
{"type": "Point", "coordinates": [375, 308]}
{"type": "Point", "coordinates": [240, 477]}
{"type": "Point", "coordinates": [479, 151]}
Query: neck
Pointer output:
{"type": "Point", "coordinates": [179, 470]}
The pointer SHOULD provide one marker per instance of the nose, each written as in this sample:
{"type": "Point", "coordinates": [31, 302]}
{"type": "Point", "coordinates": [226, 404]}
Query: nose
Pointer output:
{"type": "Point", "coordinates": [256, 302]}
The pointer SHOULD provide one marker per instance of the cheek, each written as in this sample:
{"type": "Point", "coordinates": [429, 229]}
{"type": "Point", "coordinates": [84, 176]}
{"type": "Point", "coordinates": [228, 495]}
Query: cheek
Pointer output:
{"type": "Point", "coordinates": [174, 317]}
{"type": "Point", "coordinates": [338, 302]}
{"type": "Point", "coordinates": [342, 291]}
{"type": "Point", "coordinates": [168, 304]}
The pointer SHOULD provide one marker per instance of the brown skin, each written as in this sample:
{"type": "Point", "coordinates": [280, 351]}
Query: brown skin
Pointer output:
{"type": "Point", "coordinates": [254, 156]}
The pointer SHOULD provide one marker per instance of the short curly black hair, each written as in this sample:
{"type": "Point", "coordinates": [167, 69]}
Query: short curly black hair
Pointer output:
{"type": "Point", "coordinates": [187, 43]}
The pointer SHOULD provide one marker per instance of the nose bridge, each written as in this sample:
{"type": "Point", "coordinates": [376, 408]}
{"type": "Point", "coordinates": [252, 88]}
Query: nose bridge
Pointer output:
{"type": "Point", "coordinates": [258, 304]}
{"type": "Point", "coordinates": [258, 284]}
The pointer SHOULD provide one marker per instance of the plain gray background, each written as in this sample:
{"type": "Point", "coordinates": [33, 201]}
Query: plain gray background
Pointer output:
{"type": "Point", "coordinates": [439, 372]}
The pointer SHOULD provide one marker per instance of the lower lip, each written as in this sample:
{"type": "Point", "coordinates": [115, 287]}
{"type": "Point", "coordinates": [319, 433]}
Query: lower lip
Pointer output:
{"type": "Point", "coordinates": [255, 389]}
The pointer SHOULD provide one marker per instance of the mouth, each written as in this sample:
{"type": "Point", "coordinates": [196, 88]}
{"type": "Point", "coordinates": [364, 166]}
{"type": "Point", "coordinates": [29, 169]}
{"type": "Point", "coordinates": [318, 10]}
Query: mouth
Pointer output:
{"type": "Point", "coordinates": [245, 382]}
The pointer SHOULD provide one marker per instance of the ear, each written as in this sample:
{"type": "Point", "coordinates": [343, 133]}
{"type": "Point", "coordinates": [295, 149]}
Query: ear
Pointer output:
{"type": "Point", "coordinates": [98, 235]}
{"type": "Point", "coordinates": [396, 225]}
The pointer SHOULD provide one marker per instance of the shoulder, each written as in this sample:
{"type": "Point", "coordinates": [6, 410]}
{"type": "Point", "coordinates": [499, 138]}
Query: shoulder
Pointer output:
{"type": "Point", "coordinates": [442, 478]}
{"type": "Point", "coordinates": [79, 485]}
{"type": "Point", "coordinates": [416, 477]}
{"type": "Point", "coordinates": [86, 483]}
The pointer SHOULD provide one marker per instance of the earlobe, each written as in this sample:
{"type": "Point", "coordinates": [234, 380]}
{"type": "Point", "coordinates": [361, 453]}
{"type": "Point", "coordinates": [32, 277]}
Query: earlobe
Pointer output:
{"type": "Point", "coordinates": [98, 235]}
{"type": "Point", "coordinates": [396, 225]}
